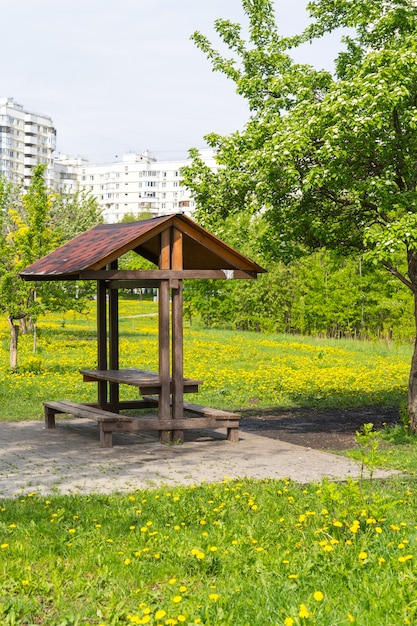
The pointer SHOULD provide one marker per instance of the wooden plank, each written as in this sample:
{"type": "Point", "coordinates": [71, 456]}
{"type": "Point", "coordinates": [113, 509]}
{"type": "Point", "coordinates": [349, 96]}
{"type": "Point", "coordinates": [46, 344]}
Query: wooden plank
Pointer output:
{"type": "Point", "coordinates": [188, 423]}
{"type": "Point", "coordinates": [164, 332]}
{"type": "Point", "coordinates": [163, 274]}
{"type": "Point", "coordinates": [210, 412]}
{"type": "Point", "coordinates": [215, 245]}
{"type": "Point", "coordinates": [134, 284]}
{"type": "Point", "coordinates": [132, 376]}
{"type": "Point", "coordinates": [201, 410]}
{"type": "Point", "coordinates": [86, 411]}
{"type": "Point", "coordinates": [114, 340]}
{"type": "Point", "coordinates": [102, 339]}
{"type": "Point", "coordinates": [177, 336]}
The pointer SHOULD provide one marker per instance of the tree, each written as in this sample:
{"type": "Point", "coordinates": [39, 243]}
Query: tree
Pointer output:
{"type": "Point", "coordinates": [70, 215]}
{"type": "Point", "coordinates": [25, 237]}
{"type": "Point", "coordinates": [325, 160]}
{"type": "Point", "coordinates": [73, 213]}
{"type": "Point", "coordinates": [31, 225]}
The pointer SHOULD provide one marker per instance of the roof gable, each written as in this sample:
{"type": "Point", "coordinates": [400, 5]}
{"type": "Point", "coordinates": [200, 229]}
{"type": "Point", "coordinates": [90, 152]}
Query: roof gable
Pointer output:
{"type": "Point", "coordinates": [99, 246]}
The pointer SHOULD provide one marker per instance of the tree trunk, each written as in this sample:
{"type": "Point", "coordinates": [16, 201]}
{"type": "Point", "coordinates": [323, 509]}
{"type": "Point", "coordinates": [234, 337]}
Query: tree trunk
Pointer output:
{"type": "Point", "coordinates": [23, 325]}
{"type": "Point", "coordinates": [31, 324]}
{"type": "Point", "coordinates": [14, 336]}
{"type": "Point", "coordinates": [35, 338]}
{"type": "Point", "coordinates": [412, 381]}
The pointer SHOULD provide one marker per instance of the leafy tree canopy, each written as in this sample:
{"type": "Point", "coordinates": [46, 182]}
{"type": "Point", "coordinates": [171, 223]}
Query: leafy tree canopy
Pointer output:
{"type": "Point", "coordinates": [327, 159]}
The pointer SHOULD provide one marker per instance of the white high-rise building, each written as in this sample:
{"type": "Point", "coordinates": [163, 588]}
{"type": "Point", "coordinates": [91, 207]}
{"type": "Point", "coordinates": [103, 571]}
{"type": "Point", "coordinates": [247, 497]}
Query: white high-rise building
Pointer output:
{"type": "Point", "coordinates": [136, 185]}
{"type": "Point", "coordinates": [26, 139]}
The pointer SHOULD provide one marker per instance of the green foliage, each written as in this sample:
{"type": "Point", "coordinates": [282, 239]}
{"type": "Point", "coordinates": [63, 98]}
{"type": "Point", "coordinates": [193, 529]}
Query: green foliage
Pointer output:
{"type": "Point", "coordinates": [316, 295]}
{"type": "Point", "coordinates": [368, 441]}
{"type": "Point", "coordinates": [325, 160]}
{"type": "Point", "coordinates": [72, 214]}
{"type": "Point", "coordinates": [25, 236]}
{"type": "Point", "coordinates": [33, 223]}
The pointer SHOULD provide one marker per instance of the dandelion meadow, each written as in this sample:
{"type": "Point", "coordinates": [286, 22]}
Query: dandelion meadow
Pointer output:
{"type": "Point", "coordinates": [236, 552]}
{"type": "Point", "coordinates": [277, 370]}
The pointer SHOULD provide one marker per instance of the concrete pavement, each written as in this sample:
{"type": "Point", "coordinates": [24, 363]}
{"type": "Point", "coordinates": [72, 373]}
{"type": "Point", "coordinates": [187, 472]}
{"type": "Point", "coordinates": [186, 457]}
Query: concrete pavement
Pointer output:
{"type": "Point", "coordinates": [68, 459]}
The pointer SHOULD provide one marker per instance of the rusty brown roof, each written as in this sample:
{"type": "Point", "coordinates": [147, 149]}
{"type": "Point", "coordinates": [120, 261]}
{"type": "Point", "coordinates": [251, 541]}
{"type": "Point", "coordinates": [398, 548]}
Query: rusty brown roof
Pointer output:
{"type": "Point", "coordinates": [99, 246]}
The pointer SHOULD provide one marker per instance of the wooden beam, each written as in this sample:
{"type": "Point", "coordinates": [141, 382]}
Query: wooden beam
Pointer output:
{"type": "Point", "coordinates": [134, 284]}
{"type": "Point", "coordinates": [114, 340]}
{"type": "Point", "coordinates": [164, 274]}
{"type": "Point", "coordinates": [102, 340]}
{"type": "Point", "coordinates": [164, 335]}
{"type": "Point", "coordinates": [177, 337]}
{"type": "Point", "coordinates": [215, 245]}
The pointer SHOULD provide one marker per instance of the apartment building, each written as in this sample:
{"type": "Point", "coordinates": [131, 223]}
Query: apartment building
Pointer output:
{"type": "Point", "coordinates": [137, 184]}
{"type": "Point", "coordinates": [26, 138]}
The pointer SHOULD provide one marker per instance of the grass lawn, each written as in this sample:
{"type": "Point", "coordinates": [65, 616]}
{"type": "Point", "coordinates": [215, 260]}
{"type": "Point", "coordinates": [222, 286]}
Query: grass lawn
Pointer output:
{"type": "Point", "coordinates": [238, 553]}
{"type": "Point", "coordinates": [277, 370]}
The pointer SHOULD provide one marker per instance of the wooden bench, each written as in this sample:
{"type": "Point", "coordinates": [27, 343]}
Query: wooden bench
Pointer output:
{"type": "Point", "coordinates": [214, 418]}
{"type": "Point", "coordinates": [114, 422]}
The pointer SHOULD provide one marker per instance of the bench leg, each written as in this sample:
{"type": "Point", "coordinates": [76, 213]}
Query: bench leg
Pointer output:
{"type": "Point", "coordinates": [233, 435]}
{"type": "Point", "coordinates": [177, 436]}
{"type": "Point", "coordinates": [106, 436]}
{"type": "Point", "coordinates": [49, 417]}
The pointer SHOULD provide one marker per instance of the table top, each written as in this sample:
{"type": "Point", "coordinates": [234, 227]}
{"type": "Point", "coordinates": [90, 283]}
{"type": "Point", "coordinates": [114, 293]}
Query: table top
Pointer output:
{"type": "Point", "coordinates": [135, 377]}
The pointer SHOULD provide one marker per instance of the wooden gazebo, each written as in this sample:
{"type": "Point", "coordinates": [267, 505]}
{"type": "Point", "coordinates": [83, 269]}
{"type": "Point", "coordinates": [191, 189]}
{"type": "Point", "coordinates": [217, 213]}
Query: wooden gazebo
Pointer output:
{"type": "Point", "coordinates": [180, 249]}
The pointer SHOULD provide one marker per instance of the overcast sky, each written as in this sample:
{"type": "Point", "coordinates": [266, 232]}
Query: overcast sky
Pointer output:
{"type": "Point", "coordinates": [122, 75]}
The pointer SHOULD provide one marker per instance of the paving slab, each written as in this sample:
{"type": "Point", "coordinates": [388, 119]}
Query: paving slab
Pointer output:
{"type": "Point", "coordinates": [68, 459]}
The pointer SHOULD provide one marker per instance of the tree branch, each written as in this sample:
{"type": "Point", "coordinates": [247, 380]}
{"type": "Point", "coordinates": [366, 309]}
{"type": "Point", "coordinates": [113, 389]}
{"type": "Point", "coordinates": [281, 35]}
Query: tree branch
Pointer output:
{"type": "Point", "coordinates": [392, 270]}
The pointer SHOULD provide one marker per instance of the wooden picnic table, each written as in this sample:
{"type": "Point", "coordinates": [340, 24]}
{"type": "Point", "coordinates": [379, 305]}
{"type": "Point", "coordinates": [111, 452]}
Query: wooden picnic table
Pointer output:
{"type": "Point", "coordinates": [147, 382]}
{"type": "Point", "coordinates": [110, 420]}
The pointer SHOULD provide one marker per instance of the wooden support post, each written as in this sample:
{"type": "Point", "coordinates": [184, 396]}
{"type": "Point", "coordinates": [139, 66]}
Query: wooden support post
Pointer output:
{"type": "Point", "coordinates": [164, 337]}
{"type": "Point", "coordinates": [177, 337]}
{"type": "Point", "coordinates": [114, 341]}
{"type": "Point", "coordinates": [102, 340]}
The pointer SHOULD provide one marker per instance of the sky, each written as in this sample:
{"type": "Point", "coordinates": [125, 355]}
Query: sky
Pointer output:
{"type": "Point", "coordinates": [121, 76]}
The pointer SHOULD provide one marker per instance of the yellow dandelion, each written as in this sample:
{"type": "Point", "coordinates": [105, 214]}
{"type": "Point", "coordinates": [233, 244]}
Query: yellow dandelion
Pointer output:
{"type": "Point", "coordinates": [318, 596]}
{"type": "Point", "coordinates": [160, 613]}
{"type": "Point", "coordinates": [303, 612]}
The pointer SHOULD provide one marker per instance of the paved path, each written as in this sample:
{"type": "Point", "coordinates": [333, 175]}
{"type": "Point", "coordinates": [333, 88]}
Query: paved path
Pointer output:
{"type": "Point", "coordinates": [68, 459]}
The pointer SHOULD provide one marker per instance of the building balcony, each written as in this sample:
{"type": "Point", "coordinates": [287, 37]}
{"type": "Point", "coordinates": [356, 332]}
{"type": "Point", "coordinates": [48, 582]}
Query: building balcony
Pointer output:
{"type": "Point", "coordinates": [30, 161]}
{"type": "Point", "coordinates": [31, 151]}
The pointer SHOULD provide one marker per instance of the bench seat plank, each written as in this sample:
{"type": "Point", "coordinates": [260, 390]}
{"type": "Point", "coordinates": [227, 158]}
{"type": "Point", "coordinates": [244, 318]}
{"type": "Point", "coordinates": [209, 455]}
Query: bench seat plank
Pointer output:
{"type": "Point", "coordinates": [220, 418]}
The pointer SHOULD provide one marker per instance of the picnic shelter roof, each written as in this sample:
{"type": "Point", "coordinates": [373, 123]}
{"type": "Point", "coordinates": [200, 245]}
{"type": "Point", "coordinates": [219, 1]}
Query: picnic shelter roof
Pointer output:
{"type": "Point", "coordinates": [96, 248]}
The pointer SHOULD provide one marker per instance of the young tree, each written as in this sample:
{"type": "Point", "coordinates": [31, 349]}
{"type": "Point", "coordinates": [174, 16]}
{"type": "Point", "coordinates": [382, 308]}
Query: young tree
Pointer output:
{"type": "Point", "coordinates": [26, 236]}
{"type": "Point", "coordinates": [327, 160]}
{"type": "Point", "coordinates": [31, 225]}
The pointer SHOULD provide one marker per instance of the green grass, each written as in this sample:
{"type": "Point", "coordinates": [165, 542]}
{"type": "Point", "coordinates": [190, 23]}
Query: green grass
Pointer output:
{"type": "Point", "coordinates": [239, 369]}
{"type": "Point", "coordinates": [396, 449]}
{"type": "Point", "coordinates": [236, 552]}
